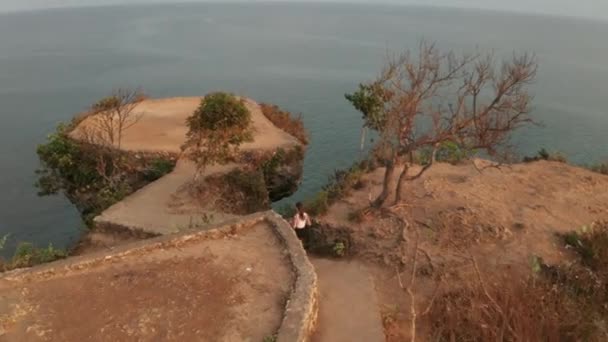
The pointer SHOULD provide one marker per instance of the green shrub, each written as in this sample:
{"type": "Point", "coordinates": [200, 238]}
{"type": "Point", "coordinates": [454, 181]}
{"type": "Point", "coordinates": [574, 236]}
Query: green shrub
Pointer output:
{"type": "Point", "coordinates": [272, 338]}
{"type": "Point", "coordinates": [543, 154]}
{"type": "Point", "coordinates": [220, 111]}
{"type": "Point", "coordinates": [448, 152]}
{"type": "Point", "coordinates": [27, 255]}
{"type": "Point", "coordinates": [217, 128]}
{"type": "Point", "coordinates": [285, 121]}
{"type": "Point", "coordinates": [587, 281]}
{"type": "Point", "coordinates": [158, 168]}
{"type": "Point", "coordinates": [318, 205]}
{"type": "Point", "coordinates": [600, 168]}
{"type": "Point", "coordinates": [341, 182]}
{"type": "Point", "coordinates": [591, 243]}
{"type": "Point", "coordinates": [339, 185]}
{"type": "Point", "coordinates": [65, 164]}
{"type": "Point", "coordinates": [339, 249]}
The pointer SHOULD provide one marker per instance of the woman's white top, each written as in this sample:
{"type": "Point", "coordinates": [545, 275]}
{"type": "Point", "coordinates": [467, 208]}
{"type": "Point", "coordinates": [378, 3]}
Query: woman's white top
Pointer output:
{"type": "Point", "coordinates": [301, 223]}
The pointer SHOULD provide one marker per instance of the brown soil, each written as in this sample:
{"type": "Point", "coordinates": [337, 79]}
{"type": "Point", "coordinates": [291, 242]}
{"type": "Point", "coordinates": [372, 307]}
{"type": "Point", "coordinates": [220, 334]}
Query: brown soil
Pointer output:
{"type": "Point", "coordinates": [232, 289]}
{"type": "Point", "coordinates": [501, 217]}
{"type": "Point", "coordinates": [162, 126]}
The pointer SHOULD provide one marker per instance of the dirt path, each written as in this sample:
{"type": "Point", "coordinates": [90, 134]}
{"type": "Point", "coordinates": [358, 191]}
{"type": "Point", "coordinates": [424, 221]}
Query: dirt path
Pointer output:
{"type": "Point", "coordinates": [348, 307]}
{"type": "Point", "coordinates": [165, 206]}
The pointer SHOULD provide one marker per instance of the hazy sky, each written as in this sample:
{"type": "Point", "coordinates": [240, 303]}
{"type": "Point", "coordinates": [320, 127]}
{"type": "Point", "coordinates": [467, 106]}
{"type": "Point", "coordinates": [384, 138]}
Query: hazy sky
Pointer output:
{"type": "Point", "coordinates": [585, 8]}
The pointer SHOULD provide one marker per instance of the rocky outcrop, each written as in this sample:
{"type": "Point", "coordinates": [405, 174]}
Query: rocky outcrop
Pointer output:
{"type": "Point", "coordinates": [283, 172]}
{"type": "Point", "coordinates": [168, 205]}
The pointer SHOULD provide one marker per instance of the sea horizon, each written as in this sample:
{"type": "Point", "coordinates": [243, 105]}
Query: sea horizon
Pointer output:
{"type": "Point", "coordinates": [56, 62]}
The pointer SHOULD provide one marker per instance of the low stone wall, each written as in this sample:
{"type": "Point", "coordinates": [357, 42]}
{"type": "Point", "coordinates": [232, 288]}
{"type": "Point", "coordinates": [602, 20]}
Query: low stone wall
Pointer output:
{"type": "Point", "coordinates": [299, 319]}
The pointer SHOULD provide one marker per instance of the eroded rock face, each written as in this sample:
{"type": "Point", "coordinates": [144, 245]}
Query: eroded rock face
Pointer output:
{"type": "Point", "coordinates": [282, 169]}
{"type": "Point", "coordinates": [285, 181]}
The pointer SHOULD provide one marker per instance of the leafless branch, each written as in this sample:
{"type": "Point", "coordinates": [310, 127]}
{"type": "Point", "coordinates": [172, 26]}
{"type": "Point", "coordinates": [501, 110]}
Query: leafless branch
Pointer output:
{"type": "Point", "coordinates": [114, 114]}
{"type": "Point", "coordinates": [431, 98]}
{"type": "Point", "coordinates": [482, 284]}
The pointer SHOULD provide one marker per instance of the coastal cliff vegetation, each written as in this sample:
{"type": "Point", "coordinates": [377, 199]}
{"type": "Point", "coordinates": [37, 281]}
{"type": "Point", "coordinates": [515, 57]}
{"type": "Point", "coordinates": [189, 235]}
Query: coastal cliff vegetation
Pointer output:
{"type": "Point", "coordinates": [93, 172]}
{"type": "Point", "coordinates": [217, 129]}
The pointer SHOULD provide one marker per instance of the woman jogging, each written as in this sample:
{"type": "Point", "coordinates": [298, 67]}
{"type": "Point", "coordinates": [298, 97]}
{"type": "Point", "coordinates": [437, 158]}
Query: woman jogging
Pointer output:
{"type": "Point", "coordinates": [301, 223]}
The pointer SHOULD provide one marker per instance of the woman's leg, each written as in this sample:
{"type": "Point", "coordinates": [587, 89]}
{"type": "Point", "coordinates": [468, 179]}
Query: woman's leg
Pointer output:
{"type": "Point", "coordinates": [303, 235]}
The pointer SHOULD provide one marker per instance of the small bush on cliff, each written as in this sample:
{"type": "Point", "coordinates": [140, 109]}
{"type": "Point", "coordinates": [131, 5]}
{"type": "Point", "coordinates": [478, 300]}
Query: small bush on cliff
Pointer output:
{"type": "Point", "coordinates": [217, 128]}
{"type": "Point", "coordinates": [591, 243]}
{"type": "Point", "coordinates": [319, 204]}
{"type": "Point", "coordinates": [339, 185]}
{"type": "Point", "coordinates": [28, 255]}
{"type": "Point", "coordinates": [286, 121]}
{"type": "Point", "coordinates": [158, 167]}
{"type": "Point", "coordinates": [448, 152]}
{"type": "Point", "coordinates": [600, 168]}
{"type": "Point", "coordinates": [239, 192]}
{"type": "Point", "coordinates": [543, 154]}
{"type": "Point", "coordinates": [339, 249]}
{"type": "Point", "coordinates": [63, 166]}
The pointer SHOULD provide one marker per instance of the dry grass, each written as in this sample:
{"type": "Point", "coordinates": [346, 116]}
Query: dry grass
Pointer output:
{"type": "Point", "coordinates": [286, 121]}
{"type": "Point", "coordinates": [240, 192]}
{"type": "Point", "coordinates": [508, 309]}
{"type": "Point", "coordinates": [559, 303]}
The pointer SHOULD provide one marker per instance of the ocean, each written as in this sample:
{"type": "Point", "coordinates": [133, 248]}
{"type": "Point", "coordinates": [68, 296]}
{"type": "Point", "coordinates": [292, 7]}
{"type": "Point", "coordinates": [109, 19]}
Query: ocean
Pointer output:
{"type": "Point", "coordinates": [303, 57]}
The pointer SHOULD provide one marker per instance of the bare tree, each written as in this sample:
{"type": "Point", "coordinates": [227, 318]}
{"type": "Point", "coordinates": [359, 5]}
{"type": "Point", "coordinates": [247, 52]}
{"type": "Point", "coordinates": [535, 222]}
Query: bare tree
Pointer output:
{"type": "Point", "coordinates": [432, 98]}
{"type": "Point", "coordinates": [115, 114]}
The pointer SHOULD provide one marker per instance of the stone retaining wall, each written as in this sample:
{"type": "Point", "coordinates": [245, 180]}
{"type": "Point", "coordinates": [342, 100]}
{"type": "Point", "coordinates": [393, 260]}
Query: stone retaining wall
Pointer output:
{"type": "Point", "coordinates": [300, 319]}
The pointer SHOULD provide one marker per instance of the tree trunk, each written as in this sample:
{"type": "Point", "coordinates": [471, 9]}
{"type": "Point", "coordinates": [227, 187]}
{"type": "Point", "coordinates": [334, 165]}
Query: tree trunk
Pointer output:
{"type": "Point", "coordinates": [403, 174]}
{"type": "Point", "coordinates": [363, 131]}
{"type": "Point", "coordinates": [400, 183]}
{"type": "Point", "coordinates": [386, 184]}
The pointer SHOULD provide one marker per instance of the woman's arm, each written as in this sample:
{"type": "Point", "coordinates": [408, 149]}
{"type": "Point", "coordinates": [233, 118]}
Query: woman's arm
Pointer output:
{"type": "Point", "coordinates": [293, 222]}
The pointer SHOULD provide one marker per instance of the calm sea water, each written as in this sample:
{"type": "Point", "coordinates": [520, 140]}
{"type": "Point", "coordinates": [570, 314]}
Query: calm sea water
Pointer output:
{"type": "Point", "coordinates": [303, 57]}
